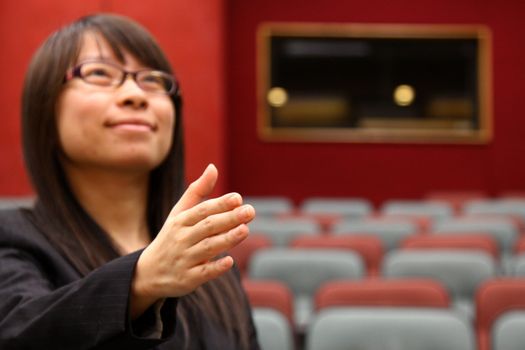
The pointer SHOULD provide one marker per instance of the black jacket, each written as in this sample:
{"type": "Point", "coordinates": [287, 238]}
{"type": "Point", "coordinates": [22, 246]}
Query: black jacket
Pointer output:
{"type": "Point", "coordinates": [46, 304]}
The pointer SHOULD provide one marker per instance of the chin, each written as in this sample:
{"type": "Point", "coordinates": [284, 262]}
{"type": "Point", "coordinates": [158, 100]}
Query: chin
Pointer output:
{"type": "Point", "coordinates": [141, 165]}
{"type": "Point", "coordinates": [139, 158]}
{"type": "Point", "coordinates": [136, 161]}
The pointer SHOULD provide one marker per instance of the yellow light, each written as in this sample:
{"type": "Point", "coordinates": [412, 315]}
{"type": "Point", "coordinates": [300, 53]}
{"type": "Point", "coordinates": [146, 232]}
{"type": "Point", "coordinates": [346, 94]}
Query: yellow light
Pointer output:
{"type": "Point", "coordinates": [277, 97]}
{"type": "Point", "coordinates": [404, 95]}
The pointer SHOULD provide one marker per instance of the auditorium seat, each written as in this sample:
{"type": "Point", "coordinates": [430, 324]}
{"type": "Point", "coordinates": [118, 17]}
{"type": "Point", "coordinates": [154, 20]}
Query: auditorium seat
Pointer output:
{"type": "Point", "coordinates": [272, 306]}
{"type": "Point", "coordinates": [270, 205]}
{"type": "Point", "coordinates": [508, 331]}
{"type": "Point", "coordinates": [406, 292]}
{"type": "Point", "coordinates": [243, 252]}
{"type": "Point", "coordinates": [282, 230]}
{"type": "Point", "coordinates": [325, 221]}
{"type": "Point", "coordinates": [389, 230]}
{"type": "Point", "coordinates": [493, 299]}
{"type": "Point", "coordinates": [512, 194]}
{"type": "Point", "coordinates": [513, 207]}
{"type": "Point", "coordinates": [516, 265]}
{"type": "Point", "coordinates": [434, 210]}
{"type": "Point", "coordinates": [502, 229]}
{"type": "Point", "coordinates": [349, 208]}
{"type": "Point", "coordinates": [368, 247]}
{"type": "Point", "coordinates": [456, 199]}
{"type": "Point", "coordinates": [519, 245]}
{"type": "Point", "coordinates": [303, 271]}
{"type": "Point", "coordinates": [423, 223]}
{"type": "Point", "coordinates": [481, 242]}
{"type": "Point", "coordinates": [389, 328]}
{"type": "Point", "coordinates": [517, 220]}
{"type": "Point", "coordinates": [460, 271]}
{"type": "Point", "coordinates": [273, 330]}
{"type": "Point", "coordinates": [270, 294]}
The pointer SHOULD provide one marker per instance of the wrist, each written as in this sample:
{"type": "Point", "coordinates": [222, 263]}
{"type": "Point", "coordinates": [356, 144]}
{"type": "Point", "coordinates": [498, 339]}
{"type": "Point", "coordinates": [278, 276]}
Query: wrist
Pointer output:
{"type": "Point", "coordinates": [142, 294]}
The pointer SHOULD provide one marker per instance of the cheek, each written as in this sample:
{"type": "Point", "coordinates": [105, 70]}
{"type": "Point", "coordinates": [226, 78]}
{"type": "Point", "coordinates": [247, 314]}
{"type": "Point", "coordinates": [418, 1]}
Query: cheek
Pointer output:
{"type": "Point", "coordinates": [65, 115]}
{"type": "Point", "coordinates": [73, 122]}
{"type": "Point", "coordinates": [167, 123]}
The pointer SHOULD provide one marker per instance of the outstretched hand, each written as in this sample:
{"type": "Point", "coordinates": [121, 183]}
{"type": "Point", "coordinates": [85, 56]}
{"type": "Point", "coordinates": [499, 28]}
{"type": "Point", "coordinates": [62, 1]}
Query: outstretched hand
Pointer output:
{"type": "Point", "coordinates": [183, 255]}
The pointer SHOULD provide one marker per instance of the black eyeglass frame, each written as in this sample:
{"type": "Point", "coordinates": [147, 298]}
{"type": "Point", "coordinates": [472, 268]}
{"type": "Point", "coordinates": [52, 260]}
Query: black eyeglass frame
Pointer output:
{"type": "Point", "coordinates": [76, 72]}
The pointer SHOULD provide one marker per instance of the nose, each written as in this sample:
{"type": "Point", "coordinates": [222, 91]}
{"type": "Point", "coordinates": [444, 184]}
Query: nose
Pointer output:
{"type": "Point", "coordinates": [131, 95]}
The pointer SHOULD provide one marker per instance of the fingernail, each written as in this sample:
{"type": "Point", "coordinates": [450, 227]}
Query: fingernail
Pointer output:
{"type": "Point", "coordinates": [226, 262]}
{"type": "Point", "coordinates": [234, 199]}
{"type": "Point", "coordinates": [247, 211]}
{"type": "Point", "coordinates": [210, 166]}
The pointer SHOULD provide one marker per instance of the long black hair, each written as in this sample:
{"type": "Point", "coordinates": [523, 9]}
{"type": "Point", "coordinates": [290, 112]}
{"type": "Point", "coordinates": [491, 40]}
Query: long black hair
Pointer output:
{"type": "Point", "coordinates": [58, 214]}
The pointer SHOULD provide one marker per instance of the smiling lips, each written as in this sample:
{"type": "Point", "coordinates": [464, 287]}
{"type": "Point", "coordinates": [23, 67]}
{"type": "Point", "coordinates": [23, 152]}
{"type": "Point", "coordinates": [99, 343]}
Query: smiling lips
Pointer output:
{"type": "Point", "coordinates": [139, 125]}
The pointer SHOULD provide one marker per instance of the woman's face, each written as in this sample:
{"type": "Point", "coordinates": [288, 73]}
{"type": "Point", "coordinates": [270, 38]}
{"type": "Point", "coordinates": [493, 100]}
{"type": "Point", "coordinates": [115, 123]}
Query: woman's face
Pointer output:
{"type": "Point", "coordinates": [117, 128]}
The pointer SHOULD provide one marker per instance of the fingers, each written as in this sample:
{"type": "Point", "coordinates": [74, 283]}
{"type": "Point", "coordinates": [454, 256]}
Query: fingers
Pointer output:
{"type": "Point", "coordinates": [182, 256]}
{"type": "Point", "coordinates": [211, 247]}
{"type": "Point", "coordinates": [210, 270]}
{"type": "Point", "coordinates": [198, 190]}
{"type": "Point", "coordinates": [210, 207]}
{"type": "Point", "coordinates": [192, 210]}
{"type": "Point", "coordinates": [219, 223]}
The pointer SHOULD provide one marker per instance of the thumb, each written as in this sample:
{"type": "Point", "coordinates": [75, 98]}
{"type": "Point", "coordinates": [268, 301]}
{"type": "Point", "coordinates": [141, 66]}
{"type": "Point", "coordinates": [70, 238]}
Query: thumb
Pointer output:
{"type": "Point", "coordinates": [198, 190]}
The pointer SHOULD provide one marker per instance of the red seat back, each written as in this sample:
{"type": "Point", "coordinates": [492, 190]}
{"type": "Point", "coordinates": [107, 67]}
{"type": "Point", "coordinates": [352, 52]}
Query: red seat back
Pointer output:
{"type": "Point", "coordinates": [413, 292]}
{"type": "Point", "coordinates": [495, 297]}
{"type": "Point", "coordinates": [271, 294]}
{"type": "Point", "coordinates": [519, 246]}
{"type": "Point", "coordinates": [480, 241]}
{"type": "Point", "coordinates": [368, 247]}
{"type": "Point", "coordinates": [242, 253]}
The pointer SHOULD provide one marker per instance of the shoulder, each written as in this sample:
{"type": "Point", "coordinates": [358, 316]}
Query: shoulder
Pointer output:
{"type": "Point", "coordinates": [12, 216]}
{"type": "Point", "coordinates": [18, 233]}
{"type": "Point", "coordinates": [16, 228]}
{"type": "Point", "coordinates": [22, 241]}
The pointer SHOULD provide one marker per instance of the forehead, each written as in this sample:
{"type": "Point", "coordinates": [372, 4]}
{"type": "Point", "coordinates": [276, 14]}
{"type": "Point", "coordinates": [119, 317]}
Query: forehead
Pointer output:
{"type": "Point", "coordinates": [95, 46]}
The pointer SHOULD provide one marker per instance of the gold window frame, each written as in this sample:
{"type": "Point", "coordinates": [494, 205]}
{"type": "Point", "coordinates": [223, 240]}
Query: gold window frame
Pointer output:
{"type": "Point", "coordinates": [410, 134]}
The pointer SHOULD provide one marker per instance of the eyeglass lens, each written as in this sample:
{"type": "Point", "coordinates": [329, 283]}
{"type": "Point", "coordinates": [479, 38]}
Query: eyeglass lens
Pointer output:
{"type": "Point", "coordinates": [104, 74]}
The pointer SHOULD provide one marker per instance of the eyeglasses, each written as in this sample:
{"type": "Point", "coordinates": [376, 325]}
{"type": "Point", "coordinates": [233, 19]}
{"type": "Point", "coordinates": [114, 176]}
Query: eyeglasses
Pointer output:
{"type": "Point", "coordinates": [108, 74]}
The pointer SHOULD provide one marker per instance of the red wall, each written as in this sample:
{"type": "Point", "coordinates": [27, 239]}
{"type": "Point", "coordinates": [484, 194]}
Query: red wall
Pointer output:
{"type": "Point", "coordinates": [376, 171]}
{"type": "Point", "coordinates": [204, 37]}
{"type": "Point", "coordinates": [191, 32]}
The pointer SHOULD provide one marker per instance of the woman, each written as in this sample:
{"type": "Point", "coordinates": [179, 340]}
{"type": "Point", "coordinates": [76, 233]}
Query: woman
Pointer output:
{"type": "Point", "coordinates": [105, 260]}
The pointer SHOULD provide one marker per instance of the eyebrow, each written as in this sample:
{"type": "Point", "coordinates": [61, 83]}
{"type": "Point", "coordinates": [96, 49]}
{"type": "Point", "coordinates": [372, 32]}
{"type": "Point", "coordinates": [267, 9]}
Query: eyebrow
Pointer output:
{"type": "Point", "coordinates": [95, 57]}
{"type": "Point", "coordinates": [98, 58]}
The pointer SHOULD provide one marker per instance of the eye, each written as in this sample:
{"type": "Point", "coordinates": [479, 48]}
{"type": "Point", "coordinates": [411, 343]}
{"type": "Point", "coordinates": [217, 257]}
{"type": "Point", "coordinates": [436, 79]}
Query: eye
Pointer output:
{"type": "Point", "coordinates": [100, 73]}
{"type": "Point", "coordinates": [154, 81]}
{"type": "Point", "coordinates": [151, 78]}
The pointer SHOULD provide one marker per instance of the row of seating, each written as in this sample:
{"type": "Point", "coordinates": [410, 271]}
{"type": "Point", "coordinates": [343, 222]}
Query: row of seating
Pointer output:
{"type": "Point", "coordinates": [461, 272]}
{"type": "Point", "coordinates": [391, 230]}
{"type": "Point", "coordinates": [327, 244]}
{"type": "Point", "coordinates": [371, 251]}
{"type": "Point", "coordinates": [435, 206]}
{"type": "Point", "coordinates": [408, 314]}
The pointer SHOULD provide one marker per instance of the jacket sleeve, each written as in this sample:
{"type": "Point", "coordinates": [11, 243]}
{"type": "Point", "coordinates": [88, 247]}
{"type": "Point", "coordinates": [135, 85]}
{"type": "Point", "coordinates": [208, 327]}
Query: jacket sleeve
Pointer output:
{"type": "Point", "coordinates": [89, 313]}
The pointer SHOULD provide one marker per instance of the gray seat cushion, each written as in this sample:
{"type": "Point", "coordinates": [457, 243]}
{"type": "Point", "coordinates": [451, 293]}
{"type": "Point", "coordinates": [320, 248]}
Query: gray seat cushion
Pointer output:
{"type": "Point", "coordinates": [389, 329]}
